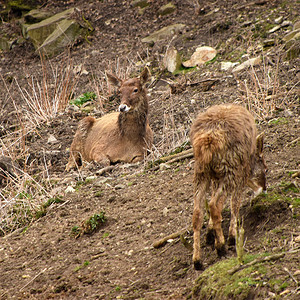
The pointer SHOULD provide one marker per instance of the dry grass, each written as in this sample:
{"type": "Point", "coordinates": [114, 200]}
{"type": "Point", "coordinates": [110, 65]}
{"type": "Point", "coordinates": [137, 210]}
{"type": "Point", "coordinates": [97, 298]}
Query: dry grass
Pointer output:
{"type": "Point", "coordinates": [45, 95]}
{"type": "Point", "coordinates": [262, 91]}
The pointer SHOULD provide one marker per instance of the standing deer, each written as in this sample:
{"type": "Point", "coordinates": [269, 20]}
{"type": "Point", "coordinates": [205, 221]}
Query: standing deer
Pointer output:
{"type": "Point", "coordinates": [122, 136]}
{"type": "Point", "coordinates": [228, 156]}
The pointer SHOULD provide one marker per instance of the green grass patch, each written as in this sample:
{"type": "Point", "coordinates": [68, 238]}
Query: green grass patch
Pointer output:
{"type": "Point", "coordinates": [216, 283]}
{"type": "Point", "coordinates": [279, 121]}
{"type": "Point", "coordinates": [88, 96]}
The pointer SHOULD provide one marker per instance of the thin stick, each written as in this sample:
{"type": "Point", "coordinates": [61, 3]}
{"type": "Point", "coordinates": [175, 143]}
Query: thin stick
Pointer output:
{"type": "Point", "coordinates": [256, 261]}
{"type": "Point", "coordinates": [33, 279]}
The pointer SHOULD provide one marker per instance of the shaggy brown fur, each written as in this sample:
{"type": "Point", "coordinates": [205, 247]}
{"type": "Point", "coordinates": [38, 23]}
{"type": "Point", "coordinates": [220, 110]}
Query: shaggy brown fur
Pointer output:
{"type": "Point", "coordinates": [122, 136]}
{"type": "Point", "coordinates": [228, 156]}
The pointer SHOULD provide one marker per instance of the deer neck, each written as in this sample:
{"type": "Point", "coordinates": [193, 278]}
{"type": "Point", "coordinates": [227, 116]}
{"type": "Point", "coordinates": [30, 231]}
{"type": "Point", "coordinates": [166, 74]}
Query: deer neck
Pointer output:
{"type": "Point", "coordinates": [133, 124]}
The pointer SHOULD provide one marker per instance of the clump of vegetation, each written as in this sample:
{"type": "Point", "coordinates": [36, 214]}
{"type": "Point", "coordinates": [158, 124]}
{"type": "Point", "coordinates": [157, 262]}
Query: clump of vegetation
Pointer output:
{"type": "Point", "coordinates": [216, 282]}
{"type": "Point", "coordinates": [89, 226]}
{"type": "Point", "coordinates": [86, 97]}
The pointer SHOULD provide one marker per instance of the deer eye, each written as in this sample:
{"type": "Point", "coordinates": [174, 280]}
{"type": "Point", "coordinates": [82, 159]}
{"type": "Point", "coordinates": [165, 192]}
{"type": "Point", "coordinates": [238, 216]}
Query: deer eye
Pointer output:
{"type": "Point", "coordinates": [135, 90]}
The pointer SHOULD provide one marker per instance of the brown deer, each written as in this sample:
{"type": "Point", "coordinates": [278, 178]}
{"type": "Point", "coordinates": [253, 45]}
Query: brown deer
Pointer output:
{"type": "Point", "coordinates": [122, 136]}
{"type": "Point", "coordinates": [228, 156]}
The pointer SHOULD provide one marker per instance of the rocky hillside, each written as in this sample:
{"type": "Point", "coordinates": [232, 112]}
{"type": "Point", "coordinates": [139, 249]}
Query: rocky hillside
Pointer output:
{"type": "Point", "coordinates": [90, 233]}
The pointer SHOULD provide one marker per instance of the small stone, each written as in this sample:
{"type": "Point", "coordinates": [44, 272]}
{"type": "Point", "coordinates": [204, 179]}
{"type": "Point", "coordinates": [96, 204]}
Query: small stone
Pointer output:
{"type": "Point", "coordinates": [227, 65]}
{"type": "Point", "coordinates": [165, 211]}
{"type": "Point", "coordinates": [167, 9]}
{"type": "Point", "coordinates": [172, 60]}
{"type": "Point", "coordinates": [69, 189]}
{"type": "Point", "coordinates": [275, 28]}
{"type": "Point", "coordinates": [279, 20]}
{"type": "Point", "coordinates": [52, 139]}
{"type": "Point", "coordinates": [164, 166]}
{"type": "Point", "coordinates": [120, 186]}
{"type": "Point", "coordinates": [140, 3]}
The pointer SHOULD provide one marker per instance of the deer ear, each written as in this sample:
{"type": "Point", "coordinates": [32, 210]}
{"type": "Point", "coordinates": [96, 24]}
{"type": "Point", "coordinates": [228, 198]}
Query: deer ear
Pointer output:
{"type": "Point", "coordinates": [114, 80]}
{"type": "Point", "coordinates": [259, 144]}
{"type": "Point", "coordinates": [145, 76]}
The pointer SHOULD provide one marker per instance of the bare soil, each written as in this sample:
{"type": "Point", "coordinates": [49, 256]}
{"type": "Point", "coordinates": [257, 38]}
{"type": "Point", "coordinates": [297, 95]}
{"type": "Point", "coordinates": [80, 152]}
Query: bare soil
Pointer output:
{"type": "Point", "coordinates": [46, 261]}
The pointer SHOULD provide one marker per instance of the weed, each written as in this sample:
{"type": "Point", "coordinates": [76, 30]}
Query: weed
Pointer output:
{"type": "Point", "coordinates": [57, 199]}
{"type": "Point", "coordinates": [279, 121]}
{"type": "Point", "coordinates": [89, 226]}
{"type": "Point", "coordinates": [85, 264]}
{"type": "Point", "coordinates": [88, 96]}
{"type": "Point", "coordinates": [105, 235]}
{"type": "Point", "coordinates": [99, 194]}
{"type": "Point", "coordinates": [94, 222]}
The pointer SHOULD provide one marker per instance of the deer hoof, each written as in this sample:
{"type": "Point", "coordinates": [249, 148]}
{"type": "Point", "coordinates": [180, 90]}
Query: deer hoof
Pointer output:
{"type": "Point", "coordinates": [198, 265]}
{"type": "Point", "coordinates": [210, 237]}
{"type": "Point", "coordinates": [221, 251]}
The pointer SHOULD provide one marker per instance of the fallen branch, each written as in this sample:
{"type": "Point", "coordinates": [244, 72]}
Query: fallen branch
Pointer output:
{"type": "Point", "coordinates": [104, 170]}
{"type": "Point", "coordinates": [256, 261]}
{"type": "Point", "coordinates": [172, 158]}
{"type": "Point", "coordinates": [163, 241]}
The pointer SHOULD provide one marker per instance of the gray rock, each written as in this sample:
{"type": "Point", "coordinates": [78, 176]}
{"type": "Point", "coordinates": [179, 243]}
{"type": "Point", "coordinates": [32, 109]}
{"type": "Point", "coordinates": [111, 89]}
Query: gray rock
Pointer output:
{"type": "Point", "coordinates": [296, 25]}
{"type": "Point", "coordinates": [40, 31]}
{"type": "Point", "coordinates": [167, 9]}
{"type": "Point", "coordinates": [140, 3]}
{"type": "Point", "coordinates": [5, 44]}
{"type": "Point", "coordinates": [246, 64]}
{"type": "Point", "coordinates": [163, 33]}
{"type": "Point", "coordinates": [53, 34]}
{"type": "Point", "coordinates": [291, 35]}
{"type": "Point", "coordinates": [37, 15]}
{"type": "Point", "coordinates": [172, 60]}
{"type": "Point", "coordinates": [65, 34]}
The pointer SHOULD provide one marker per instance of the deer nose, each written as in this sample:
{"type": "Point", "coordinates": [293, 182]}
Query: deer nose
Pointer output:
{"type": "Point", "coordinates": [124, 108]}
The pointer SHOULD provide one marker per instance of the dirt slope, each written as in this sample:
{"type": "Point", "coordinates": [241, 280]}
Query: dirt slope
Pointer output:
{"type": "Point", "coordinates": [45, 260]}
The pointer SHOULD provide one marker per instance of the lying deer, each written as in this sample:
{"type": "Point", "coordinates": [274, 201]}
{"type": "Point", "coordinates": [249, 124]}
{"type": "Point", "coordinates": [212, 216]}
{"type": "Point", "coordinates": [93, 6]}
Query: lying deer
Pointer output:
{"type": "Point", "coordinates": [228, 156]}
{"type": "Point", "coordinates": [122, 136]}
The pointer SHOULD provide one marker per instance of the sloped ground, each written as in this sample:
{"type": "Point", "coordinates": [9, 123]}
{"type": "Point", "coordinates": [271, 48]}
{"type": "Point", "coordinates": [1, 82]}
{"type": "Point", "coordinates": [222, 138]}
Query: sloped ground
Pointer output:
{"type": "Point", "coordinates": [45, 260]}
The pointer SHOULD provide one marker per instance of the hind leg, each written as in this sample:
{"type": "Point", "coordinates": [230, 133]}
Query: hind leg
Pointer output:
{"type": "Point", "coordinates": [235, 207]}
{"type": "Point", "coordinates": [199, 198]}
{"type": "Point", "coordinates": [215, 207]}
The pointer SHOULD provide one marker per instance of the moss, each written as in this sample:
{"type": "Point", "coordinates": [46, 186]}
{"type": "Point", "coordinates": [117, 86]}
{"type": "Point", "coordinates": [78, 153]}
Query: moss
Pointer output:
{"type": "Point", "coordinates": [216, 283]}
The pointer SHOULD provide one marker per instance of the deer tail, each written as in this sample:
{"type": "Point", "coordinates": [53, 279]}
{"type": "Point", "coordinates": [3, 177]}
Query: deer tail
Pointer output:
{"type": "Point", "coordinates": [205, 144]}
{"type": "Point", "coordinates": [85, 125]}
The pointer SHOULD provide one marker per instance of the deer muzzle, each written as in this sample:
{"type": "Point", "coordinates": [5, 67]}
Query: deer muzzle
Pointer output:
{"type": "Point", "coordinates": [124, 108]}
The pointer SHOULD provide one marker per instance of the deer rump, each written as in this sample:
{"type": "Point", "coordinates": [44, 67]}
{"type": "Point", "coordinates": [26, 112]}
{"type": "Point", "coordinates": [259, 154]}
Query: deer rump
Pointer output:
{"type": "Point", "coordinates": [123, 136]}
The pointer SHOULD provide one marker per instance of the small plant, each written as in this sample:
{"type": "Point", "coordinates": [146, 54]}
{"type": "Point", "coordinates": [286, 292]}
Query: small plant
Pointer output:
{"type": "Point", "coordinates": [85, 264]}
{"type": "Point", "coordinates": [88, 96]}
{"type": "Point", "coordinates": [89, 226]}
{"type": "Point", "coordinates": [94, 222]}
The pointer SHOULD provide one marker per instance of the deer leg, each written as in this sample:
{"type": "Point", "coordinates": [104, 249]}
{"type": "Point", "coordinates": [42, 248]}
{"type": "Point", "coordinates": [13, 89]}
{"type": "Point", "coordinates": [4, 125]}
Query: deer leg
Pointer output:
{"type": "Point", "coordinates": [235, 207]}
{"type": "Point", "coordinates": [210, 236]}
{"type": "Point", "coordinates": [74, 161]}
{"type": "Point", "coordinates": [199, 198]}
{"type": "Point", "coordinates": [215, 207]}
